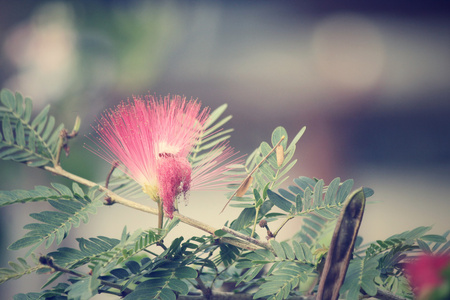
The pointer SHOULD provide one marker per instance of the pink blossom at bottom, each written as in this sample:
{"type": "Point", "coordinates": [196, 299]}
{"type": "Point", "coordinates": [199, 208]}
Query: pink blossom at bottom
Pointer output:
{"type": "Point", "coordinates": [425, 272]}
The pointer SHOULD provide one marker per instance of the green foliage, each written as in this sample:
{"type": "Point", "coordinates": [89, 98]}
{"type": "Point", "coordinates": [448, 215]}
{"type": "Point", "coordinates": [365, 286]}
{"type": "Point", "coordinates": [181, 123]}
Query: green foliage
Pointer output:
{"type": "Point", "coordinates": [380, 265]}
{"type": "Point", "coordinates": [211, 142]}
{"type": "Point", "coordinates": [139, 265]}
{"type": "Point", "coordinates": [269, 175]}
{"type": "Point", "coordinates": [269, 172]}
{"type": "Point", "coordinates": [19, 269]}
{"type": "Point", "coordinates": [73, 207]}
{"type": "Point", "coordinates": [404, 241]}
{"type": "Point", "coordinates": [291, 267]}
{"type": "Point", "coordinates": [361, 274]}
{"type": "Point", "coordinates": [33, 142]}
{"type": "Point", "coordinates": [310, 196]}
{"type": "Point", "coordinates": [40, 193]}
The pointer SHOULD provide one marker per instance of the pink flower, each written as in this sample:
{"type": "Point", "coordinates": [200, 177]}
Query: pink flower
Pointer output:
{"type": "Point", "coordinates": [425, 273]}
{"type": "Point", "coordinates": [152, 139]}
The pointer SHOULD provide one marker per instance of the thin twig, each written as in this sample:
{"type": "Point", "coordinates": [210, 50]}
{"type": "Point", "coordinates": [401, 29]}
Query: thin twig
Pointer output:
{"type": "Point", "coordinates": [48, 260]}
{"type": "Point", "coordinates": [248, 238]}
{"type": "Point", "coordinates": [256, 219]}
{"type": "Point", "coordinates": [282, 225]}
{"type": "Point", "coordinates": [385, 295]}
{"type": "Point", "coordinates": [253, 171]}
{"type": "Point", "coordinates": [120, 200]}
{"type": "Point", "coordinates": [233, 296]}
{"type": "Point", "coordinates": [108, 177]}
{"type": "Point", "coordinates": [207, 293]}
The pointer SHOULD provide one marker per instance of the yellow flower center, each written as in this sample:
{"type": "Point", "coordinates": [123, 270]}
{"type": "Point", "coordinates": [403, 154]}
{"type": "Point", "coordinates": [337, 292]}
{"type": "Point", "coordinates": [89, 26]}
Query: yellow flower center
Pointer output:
{"type": "Point", "coordinates": [151, 190]}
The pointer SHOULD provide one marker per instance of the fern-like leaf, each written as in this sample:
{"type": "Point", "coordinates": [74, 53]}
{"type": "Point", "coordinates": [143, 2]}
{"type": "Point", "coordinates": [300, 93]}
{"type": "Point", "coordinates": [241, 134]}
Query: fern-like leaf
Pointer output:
{"type": "Point", "coordinates": [33, 143]}
{"type": "Point", "coordinates": [270, 174]}
{"type": "Point", "coordinates": [270, 171]}
{"type": "Point", "coordinates": [212, 137]}
{"type": "Point", "coordinates": [310, 196]}
{"type": "Point", "coordinates": [40, 193]}
{"type": "Point", "coordinates": [286, 277]}
{"type": "Point", "coordinates": [54, 226]}
{"type": "Point", "coordinates": [403, 240]}
{"type": "Point", "coordinates": [18, 269]}
{"type": "Point", "coordinates": [291, 265]}
{"type": "Point", "coordinates": [361, 274]}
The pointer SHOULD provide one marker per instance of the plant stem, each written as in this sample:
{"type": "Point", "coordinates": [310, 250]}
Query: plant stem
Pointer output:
{"type": "Point", "coordinates": [254, 222]}
{"type": "Point", "coordinates": [160, 214]}
{"type": "Point", "coordinates": [282, 225]}
{"type": "Point", "coordinates": [108, 177]}
{"type": "Point", "coordinates": [48, 260]}
{"type": "Point", "coordinates": [207, 293]}
{"type": "Point", "coordinates": [248, 238]}
{"type": "Point", "coordinates": [120, 200]}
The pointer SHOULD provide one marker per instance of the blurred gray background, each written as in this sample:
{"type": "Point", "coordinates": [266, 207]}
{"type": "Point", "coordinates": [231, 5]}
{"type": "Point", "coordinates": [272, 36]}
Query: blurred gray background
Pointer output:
{"type": "Point", "coordinates": [369, 79]}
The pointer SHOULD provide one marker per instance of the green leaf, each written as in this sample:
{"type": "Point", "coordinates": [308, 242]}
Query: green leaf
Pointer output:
{"type": "Point", "coordinates": [185, 272]}
{"type": "Point", "coordinates": [24, 242]}
{"type": "Point", "coordinates": [318, 192]}
{"type": "Point", "coordinates": [120, 273]}
{"type": "Point", "coordinates": [216, 126]}
{"type": "Point", "coordinates": [298, 203]}
{"type": "Point", "coordinates": [434, 238]}
{"type": "Point", "coordinates": [296, 138]}
{"type": "Point", "coordinates": [28, 110]}
{"type": "Point", "coordinates": [7, 99]}
{"type": "Point", "coordinates": [279, 201]}
{"type": "Point", "coordinates": [215, 115]}
{"type": "Point", "coordinates": [55, 225]}
{"type": "Point", "coordinates": [277, 134]}
{"type": "Point", "coordinates": [279, 251]}
{"type": "Point", "coordinates": [133, 266]}
{"type": "Point", "coordinates": [299, 253]}
{"type": "Point", "coordinates": [64, 190]}
{"type": "Point", "coordinates": [41, 117]}
{"type": "Point", "coordinates": [344, 190]}
{"type": "Point", "coordinates": [19, 104]}
{"type": "Point", "coordinates": [7, 130]}
{"type": "Point", "coordinates": [424, 246]}
{"type": "Point", "coordinates": [83, 289]}
{"type": "Point", "coordinates": [368, 192]}
{"type": "Point", "coordinates": [35, 143]}
{"type": "Point", "coordinates": [48, 128]}
{"type": "Point", "coordinates": [179, 286]}
{"type": "Point", "coordinates": [330, 196]}
{"type": "Point", "coordinates": [167, 294]}
{"type": "Point", "coordinates": [360, 274]}
{"type": "Point", "coordinates": [40, 193]}
{"type": "Point", "coordinates": [17, 270]}
{"type": "Point", "coordinates": [246, 216]}
{"type": "Point", "coordinates": [288, 250]}
{"type": "Point", "coordinates": [219, 233]}
{"type": "Point", "coordinates": [20, 135]}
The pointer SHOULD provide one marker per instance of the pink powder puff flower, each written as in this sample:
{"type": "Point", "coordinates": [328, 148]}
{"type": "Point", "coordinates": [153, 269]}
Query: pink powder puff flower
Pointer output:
{"type": "Point", "coordinates": [425, 273]}
{"type": "Point", "coordinates": [152, 139]}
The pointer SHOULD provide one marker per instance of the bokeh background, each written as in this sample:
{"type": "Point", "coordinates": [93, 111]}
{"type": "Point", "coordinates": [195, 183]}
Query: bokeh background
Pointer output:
{"type": "Point", "coordinates": [369, 79]}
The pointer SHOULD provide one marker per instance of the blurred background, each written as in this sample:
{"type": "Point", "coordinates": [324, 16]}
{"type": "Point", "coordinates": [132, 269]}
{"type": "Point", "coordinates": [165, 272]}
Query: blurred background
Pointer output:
{"type": "Point", "coordinates": [369, 79]}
